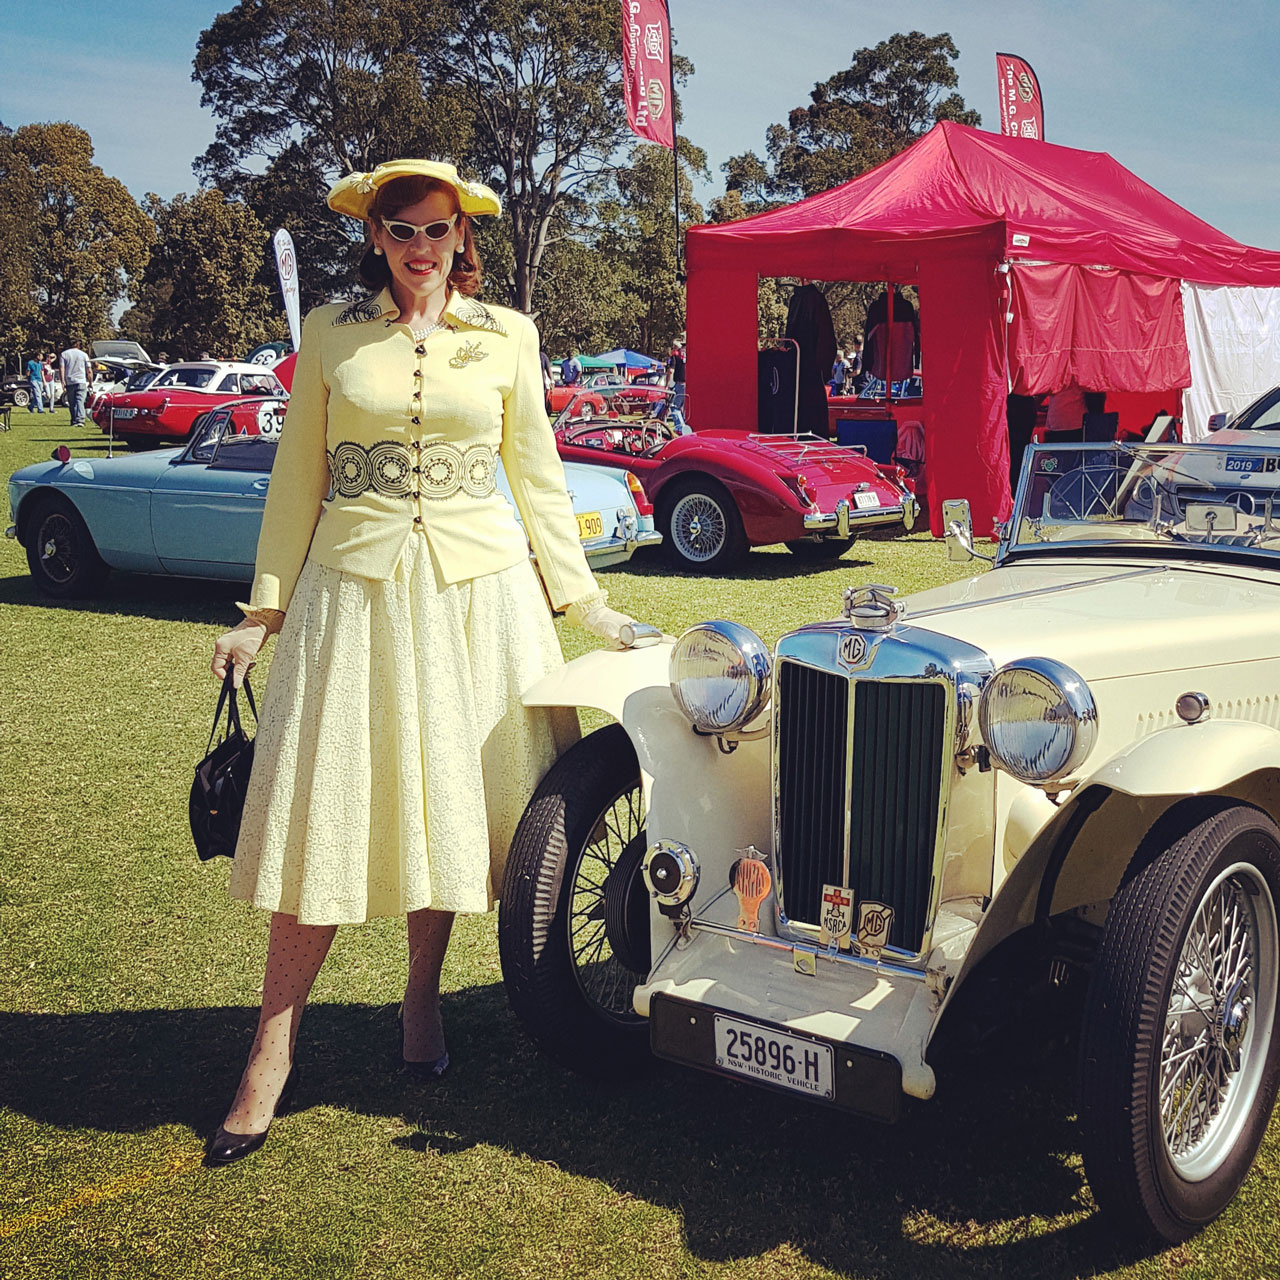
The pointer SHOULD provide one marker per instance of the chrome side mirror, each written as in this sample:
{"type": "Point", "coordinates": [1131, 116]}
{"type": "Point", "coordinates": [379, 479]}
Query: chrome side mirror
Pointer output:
{"type": "Point", "coordinates": [958, 523]}
{"type": "Point", "coordinates": [959, 526]}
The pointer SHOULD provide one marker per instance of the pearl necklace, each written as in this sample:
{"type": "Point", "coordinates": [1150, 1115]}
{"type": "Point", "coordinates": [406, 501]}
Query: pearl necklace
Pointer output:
{"type": "Point", "coordinates": [420, 334]}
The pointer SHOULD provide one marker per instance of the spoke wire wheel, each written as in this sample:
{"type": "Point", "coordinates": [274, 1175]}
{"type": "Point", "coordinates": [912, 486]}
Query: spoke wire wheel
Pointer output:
{"type": "Point", "coordinates": [698, 527]}
{"type": "Point", "coordinates": [610, 955]}
{"type": "Point", "coordinates": [1219, 1020]}
{"type": "Point", "coordinates": [1179, 1056]}
{"type": "Point", "coordinates": [573, 920]}
{"type": "Point", "coordinates": [57, 546]}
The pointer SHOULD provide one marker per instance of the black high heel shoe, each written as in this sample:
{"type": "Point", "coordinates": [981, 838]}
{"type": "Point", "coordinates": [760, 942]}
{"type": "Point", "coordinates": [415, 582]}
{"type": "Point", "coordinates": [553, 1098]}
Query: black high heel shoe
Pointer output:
{"type": "Point", "coordinates": [432, 1069]}
{"type": "Point", "coordinates": [226, 1148]}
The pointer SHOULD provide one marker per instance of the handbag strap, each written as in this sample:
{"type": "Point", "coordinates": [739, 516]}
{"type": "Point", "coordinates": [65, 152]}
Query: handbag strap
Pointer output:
{"type": "Point", "coordinates": [227, 699]}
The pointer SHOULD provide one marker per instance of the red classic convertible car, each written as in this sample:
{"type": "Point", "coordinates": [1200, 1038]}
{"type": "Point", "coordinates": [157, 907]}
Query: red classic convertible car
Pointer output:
{"type": "Point", "coordinates": [166, 409]}
{"type": "Point", "coordinates": [716, 493]}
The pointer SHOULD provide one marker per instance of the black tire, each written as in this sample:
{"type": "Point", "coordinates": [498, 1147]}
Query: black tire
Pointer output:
{"type": "Point", "coordinates": [700, 525]}
{"type": "Point", "coordinates": [21, 397]}
{"type": "Point", "coordinates": [573, 923]}
{"type": "Point", "coordinates": [827, 549]}
{"type": "Point", "coordinates": [139, 444]}
{"type": "Point", "coordinates": [60, 551]}
{"type": "Point", "coordinates": [1165, 1170]}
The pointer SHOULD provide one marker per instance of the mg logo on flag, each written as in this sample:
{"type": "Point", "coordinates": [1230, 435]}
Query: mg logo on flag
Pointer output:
{"type": "Point", "coordinates": [653, 42]}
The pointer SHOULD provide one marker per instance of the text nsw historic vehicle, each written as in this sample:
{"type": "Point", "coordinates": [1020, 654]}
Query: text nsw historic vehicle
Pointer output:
{"type": "Point", "coordinates": [808, 867]}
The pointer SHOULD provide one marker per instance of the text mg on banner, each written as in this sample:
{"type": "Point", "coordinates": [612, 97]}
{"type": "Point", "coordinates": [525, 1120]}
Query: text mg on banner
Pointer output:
{"type": "Point", "coordinates": [646, 62]}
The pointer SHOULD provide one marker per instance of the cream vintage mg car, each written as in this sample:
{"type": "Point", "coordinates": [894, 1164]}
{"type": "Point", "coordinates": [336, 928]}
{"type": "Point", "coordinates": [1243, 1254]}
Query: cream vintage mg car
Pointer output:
{"type": "Point", "coordinates": [801, 868]}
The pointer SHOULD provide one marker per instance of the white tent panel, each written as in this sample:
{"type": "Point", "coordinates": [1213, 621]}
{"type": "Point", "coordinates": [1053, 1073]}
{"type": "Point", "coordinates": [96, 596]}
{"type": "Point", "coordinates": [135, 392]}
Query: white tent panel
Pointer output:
{"type": "Point", "coordinates": [1233, 337]}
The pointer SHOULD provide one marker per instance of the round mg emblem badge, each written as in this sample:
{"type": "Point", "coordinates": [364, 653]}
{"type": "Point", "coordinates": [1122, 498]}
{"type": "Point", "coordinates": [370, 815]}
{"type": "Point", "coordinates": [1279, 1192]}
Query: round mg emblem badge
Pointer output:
{"type": "Point", "coordinates": [853, 650]}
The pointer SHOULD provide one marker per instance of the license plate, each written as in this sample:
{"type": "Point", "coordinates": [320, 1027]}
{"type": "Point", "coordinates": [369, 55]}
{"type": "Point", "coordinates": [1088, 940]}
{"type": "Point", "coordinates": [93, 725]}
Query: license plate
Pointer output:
{"type": "Point", "coordinates": [590, 524]}
{"type": "Point", "coordinates": [126, 413]}
{"type": "Point", "coordinates": [864, 500]}
{"type": "Point", "coordinates": [773, 1057]}
{"type": "Point", "coordinates": [1243, 463]}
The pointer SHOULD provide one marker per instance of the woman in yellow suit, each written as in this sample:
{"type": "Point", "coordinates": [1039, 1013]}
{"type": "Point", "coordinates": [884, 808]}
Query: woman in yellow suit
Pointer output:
{"type": "Point", "coordinates": [394, 757]}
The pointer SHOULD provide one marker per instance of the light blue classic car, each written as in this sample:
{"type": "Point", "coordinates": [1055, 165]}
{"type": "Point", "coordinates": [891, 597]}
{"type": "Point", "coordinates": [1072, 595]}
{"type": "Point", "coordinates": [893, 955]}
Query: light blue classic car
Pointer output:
{"type": "Point", "coordinates": [194, 512]}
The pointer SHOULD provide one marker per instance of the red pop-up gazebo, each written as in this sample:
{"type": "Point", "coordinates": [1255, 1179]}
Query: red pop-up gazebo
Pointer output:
{"type": "Point", "coordinates": [1037, 266]}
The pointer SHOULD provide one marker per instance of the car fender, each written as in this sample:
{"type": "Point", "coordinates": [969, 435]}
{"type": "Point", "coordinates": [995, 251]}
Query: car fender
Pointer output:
{"type": "Point", "coordinates": [715, 802]}
{"type": "Point", "coordinates": [770, 511]}
{"type": "Point", "coordinates": [110, 512]}
{"type": "Point", "coordinates": [1076, 854]}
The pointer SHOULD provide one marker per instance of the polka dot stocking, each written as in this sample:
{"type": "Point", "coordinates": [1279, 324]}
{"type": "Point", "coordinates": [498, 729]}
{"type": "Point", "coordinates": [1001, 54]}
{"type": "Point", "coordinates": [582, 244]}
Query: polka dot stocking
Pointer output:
{"type": "Point", "coordinates": [423, 1028]}
{"type": "Point", "coordinates": [295, 953]}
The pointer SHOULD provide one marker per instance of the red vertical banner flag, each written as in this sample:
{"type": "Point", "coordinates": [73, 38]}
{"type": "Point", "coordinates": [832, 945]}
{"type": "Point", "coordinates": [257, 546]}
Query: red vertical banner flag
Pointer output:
{"type": "Point", "coordinates": [646, 63]}
{"type": "Point", "coordinates": [1021, 106]}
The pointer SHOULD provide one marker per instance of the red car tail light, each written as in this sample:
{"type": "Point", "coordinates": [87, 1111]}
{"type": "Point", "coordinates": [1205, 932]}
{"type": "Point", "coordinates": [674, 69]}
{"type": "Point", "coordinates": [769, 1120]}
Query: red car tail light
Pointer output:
{"type": "Point", "coordinates": [643, 506]}
{"type": "Point", "coordinates": [800, 486]}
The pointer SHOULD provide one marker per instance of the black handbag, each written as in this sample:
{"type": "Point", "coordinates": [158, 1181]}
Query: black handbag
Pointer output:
{"type": "Point", "coordinates": [222, 778]}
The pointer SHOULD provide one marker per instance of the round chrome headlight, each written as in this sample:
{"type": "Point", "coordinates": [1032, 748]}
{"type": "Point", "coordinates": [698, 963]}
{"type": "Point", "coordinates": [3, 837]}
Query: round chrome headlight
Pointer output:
{"type": "Point", "coordinates": [720, 675]}
{"type": "Point", "coordinates": [1038, 719]}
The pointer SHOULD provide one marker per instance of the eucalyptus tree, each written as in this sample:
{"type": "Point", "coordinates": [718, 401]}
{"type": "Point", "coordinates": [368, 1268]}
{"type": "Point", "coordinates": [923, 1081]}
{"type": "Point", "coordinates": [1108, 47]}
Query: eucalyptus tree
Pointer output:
{"type": "Point", "coordinates": [200, 291]}
{"type": "Point", "coordinates": [72, 237]}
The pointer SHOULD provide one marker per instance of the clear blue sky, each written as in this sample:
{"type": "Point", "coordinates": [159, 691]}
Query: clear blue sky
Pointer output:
{"type": "Point", "coordinates": [1183, 93]}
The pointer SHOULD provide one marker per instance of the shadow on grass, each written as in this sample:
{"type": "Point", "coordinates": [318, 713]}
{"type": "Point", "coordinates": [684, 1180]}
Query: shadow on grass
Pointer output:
{"type": "Point", "coordinates": [757, 566]}
{"type": "Point", "coordinates": [139, 595]}
{"type": "Point", "coordinates": [975, 1183]}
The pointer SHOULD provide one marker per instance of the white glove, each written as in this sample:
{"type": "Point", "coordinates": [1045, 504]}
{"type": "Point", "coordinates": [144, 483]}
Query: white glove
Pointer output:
{"type": "Point", "coordinates": [619, 630]}
{"type": "Point", "coordinates": [606, 623]}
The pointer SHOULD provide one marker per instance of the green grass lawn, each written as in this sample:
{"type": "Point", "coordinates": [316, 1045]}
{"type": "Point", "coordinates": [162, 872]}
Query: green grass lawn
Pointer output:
{"type": "Point", "coordinates": [128, 986]}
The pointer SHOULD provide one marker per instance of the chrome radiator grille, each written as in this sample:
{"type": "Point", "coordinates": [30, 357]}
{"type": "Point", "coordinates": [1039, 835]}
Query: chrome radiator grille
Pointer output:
{"type": "Point", "coordinates": [858, 774]}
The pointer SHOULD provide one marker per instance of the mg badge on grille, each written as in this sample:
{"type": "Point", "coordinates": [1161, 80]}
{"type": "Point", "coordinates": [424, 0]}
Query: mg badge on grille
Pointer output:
{"type": "Point", "coordinates": [835, 923]}
{"type": "Point", "coordinates": [875, 919]}
{"type": "Point", "coordinates": [853, 650]}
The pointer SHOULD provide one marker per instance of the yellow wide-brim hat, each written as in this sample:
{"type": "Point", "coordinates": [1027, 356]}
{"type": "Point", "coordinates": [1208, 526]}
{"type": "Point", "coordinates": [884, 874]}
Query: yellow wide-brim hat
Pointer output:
{"type": "Point", "coordinates": [354, 194]}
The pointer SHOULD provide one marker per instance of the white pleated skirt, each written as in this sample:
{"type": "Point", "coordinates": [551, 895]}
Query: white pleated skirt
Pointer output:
{"type": "Point", "coordinates": [394, 757]}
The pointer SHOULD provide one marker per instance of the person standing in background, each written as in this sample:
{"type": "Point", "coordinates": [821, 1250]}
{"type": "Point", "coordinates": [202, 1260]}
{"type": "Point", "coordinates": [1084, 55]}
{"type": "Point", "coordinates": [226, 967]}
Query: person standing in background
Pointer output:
{"type": "Point", "coordinates": [839, 374]}
{"type": "Point", "coordinates": [77, 373]}
{"type": "Point", "coordinates": [545, 361]}
{"type": "Point", "coordinates": [675, 375]}
{"type": "Point", "coordinates": [35, 383]}
{"type": "Point", "coordinates": [50, 382]}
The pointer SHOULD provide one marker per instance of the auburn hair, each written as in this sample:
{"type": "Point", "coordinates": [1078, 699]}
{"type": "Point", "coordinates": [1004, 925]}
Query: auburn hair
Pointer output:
{"type": "Point", "coordinates": [392, 198]}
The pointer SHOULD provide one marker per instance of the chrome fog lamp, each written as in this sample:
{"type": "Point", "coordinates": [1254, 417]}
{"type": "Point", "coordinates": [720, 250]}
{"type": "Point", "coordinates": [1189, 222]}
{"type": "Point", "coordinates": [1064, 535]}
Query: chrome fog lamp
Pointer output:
{"type": "Point", "coordinates": [671, 874]}
{"type": "Point", "coordinates": [720, 675]}
{"type": "Point", "coordinates": [1038, 719]}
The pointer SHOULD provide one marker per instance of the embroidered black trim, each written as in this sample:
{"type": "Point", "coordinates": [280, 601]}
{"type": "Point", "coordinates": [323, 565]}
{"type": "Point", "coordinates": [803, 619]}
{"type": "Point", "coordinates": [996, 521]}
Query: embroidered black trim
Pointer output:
{"type": "Point", "coordinates": [359, 312]}
{"type": "Point", "coordinates": [478, 316]}
{"type": "Point", "coordinates": [391, 469]}
{"type": "Point", "coordinates": [387, 468]}
{"type": "Point", "coordinates": [479, 470]}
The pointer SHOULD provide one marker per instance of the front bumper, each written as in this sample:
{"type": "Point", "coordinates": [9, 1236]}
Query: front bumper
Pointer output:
{"type": "Point", "coordinates": [870, 1011]}
{"type": "Point", "coordinates": [846, 519]}
{"type": "Point", "coordinates": [864, 1082]}
{"type": "Point", "coordinates": [613, 544]}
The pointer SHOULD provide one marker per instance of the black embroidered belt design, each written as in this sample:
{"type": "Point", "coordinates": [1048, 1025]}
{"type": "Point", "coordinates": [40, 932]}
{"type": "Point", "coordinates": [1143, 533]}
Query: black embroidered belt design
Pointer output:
{"type": "Point", "coordinates": [388, 468]}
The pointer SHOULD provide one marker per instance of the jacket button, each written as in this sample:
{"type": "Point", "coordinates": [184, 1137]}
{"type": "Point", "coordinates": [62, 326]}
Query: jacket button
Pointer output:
{"type": "Point", "coordinates": [417, 373]}
{"type": "Point", "coordinates": [417, 422]}
{"type": "Point", "coordinates": [415, 444]}
{"type": "Point", "coordinates": [420, 350]}
{"type": "Point", "coordinates": [416, 494]}
{"type": "Point", "coordinates": [417, 471]}
{"type": "Point", "coordinates": [417, 519]}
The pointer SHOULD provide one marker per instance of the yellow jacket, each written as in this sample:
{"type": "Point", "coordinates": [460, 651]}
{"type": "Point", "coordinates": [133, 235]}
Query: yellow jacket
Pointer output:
{"type": "Point", "coordinates": [386, 436]}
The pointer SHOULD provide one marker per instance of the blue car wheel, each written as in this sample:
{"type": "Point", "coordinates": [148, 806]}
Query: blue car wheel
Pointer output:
{"type": "Point", "coordinates": [60, 551]}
